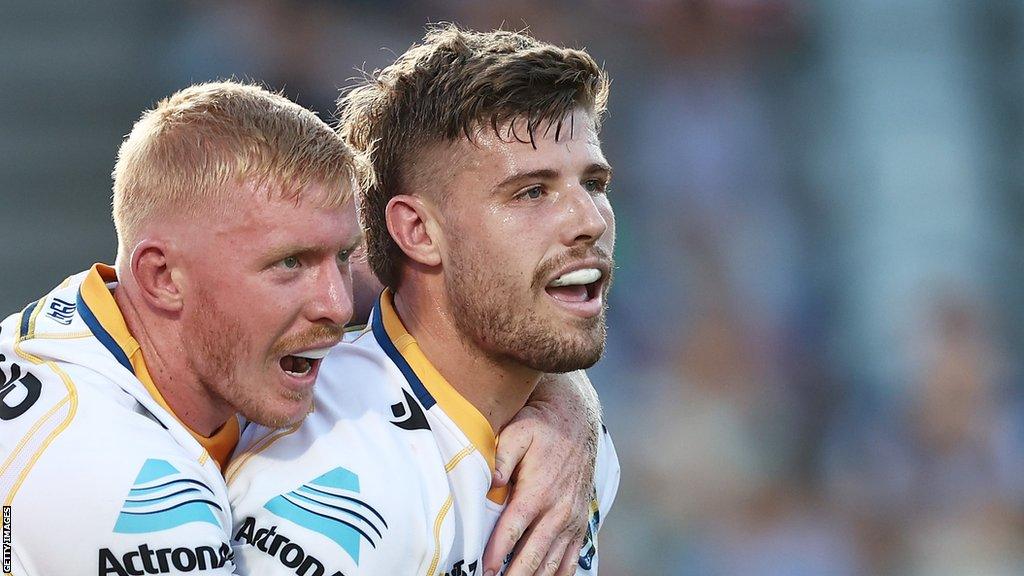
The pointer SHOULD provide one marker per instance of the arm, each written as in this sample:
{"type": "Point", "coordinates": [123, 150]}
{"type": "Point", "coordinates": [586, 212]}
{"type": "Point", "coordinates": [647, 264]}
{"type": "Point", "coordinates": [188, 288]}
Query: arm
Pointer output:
{"type": "Point", "coordinates": [548, 511]}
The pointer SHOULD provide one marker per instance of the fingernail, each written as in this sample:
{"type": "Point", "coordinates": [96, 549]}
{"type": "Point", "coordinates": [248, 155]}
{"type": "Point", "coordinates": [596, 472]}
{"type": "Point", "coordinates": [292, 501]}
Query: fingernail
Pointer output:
{"type": "Point", "coordinates": [489, 573]}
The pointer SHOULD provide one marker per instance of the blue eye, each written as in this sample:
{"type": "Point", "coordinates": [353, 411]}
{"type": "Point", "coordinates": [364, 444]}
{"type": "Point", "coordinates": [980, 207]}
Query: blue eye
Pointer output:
{"type": "Point", "coordinates": [595, 186]}
{"type": "Point", "coordinates": [291, 262]}
{"type": "Point", "coordinates": [533, 193]}
{"type": "Point", "coordinates": [343, 256]}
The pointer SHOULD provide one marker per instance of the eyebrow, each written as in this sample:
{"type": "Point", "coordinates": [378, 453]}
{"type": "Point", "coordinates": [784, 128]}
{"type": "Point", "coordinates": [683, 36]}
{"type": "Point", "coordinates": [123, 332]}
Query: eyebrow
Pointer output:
{"type": "Point", "coordinates": [297, 250]}
{"type": "Point", "coordinates": [523, 177]}
{"type": "Point", "coordinates": [599, 168]}
{"type": "Point", "coordinates": [549, 174]}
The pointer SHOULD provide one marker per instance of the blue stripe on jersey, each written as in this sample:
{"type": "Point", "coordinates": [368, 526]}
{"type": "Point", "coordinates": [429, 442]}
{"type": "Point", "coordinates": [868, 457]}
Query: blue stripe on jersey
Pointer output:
{"type": "Point", "coordinates": [389, 348]}
{"type": "Point", "coordinates": [101, 334]}
{"type": "Point", "coordinates": [26, 316]}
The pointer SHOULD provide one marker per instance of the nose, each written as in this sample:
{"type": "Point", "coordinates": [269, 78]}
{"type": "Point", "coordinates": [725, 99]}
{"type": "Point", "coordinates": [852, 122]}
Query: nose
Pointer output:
{"type": "Point", "coordinates": [333, 298]}
{"type": "Point", "coordinates": [584, 221]}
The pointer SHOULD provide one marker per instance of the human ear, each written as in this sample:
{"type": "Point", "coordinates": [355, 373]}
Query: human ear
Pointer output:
{"type": "Point", "coordinates": [414, 228]}
{"type": "Point", "coordinates": [158, 281]}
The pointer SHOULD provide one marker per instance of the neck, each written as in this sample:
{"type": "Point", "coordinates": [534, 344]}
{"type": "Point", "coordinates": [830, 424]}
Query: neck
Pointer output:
{"type": "Point", "coordinates": [498, 388]}
{"type": "Point", "coordinates": [162, 346]}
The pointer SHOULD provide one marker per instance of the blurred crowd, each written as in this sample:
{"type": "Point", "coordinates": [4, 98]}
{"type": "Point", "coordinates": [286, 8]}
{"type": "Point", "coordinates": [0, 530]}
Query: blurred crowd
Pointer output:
{"type": "Point", "coordinates": [814, 360]}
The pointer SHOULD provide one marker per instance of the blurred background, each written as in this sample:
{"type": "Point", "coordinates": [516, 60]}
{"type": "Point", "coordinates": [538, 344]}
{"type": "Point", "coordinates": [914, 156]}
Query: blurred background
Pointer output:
{"type": "Point", "coordinates": [816, 335]}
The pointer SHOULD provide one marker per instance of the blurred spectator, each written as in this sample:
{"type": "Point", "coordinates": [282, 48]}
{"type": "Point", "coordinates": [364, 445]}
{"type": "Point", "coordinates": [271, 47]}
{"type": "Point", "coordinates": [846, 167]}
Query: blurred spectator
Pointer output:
{"type": "Point", "coordinates": [946, 466]}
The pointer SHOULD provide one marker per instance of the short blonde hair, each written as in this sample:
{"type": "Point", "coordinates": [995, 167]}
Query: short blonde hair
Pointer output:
{"type": "Point", "coordinates": [182, 154]}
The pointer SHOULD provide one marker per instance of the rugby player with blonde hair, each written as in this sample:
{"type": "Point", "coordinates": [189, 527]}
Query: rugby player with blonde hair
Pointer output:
{"type": "Point", "coordinates": [233, 210]}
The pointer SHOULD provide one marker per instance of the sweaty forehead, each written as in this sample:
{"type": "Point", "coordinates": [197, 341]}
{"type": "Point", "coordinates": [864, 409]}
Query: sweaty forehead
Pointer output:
{"type": "Point", "coordinates": [513, 149]}
{"type": "Point", "coordinates": [577, 126]}
{"type": "Point", "coordinates": [501, 153]}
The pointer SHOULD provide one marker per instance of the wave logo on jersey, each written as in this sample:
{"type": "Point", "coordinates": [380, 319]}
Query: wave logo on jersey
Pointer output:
{"type": "Point", "coordinates": [327, 505]}
{"type": "Point", "coordinates": [162, 498]}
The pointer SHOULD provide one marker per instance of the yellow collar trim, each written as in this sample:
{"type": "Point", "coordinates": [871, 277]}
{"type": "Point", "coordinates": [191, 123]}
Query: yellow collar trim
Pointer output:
{"type": "Point", "coordinates": [98, 297]}
{"type": "Point", "coordinates": [465, 415]}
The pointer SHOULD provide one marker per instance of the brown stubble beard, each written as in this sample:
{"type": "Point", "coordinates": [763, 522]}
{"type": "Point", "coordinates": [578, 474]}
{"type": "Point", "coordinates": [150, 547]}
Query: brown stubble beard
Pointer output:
{"type": "Point", "coordinates": [484, 305]}
{"type": "Point", "coordinates": [215, 351]}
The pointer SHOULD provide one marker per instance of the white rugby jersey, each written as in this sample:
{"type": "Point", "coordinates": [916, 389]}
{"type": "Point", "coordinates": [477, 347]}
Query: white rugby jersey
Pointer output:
{"type": "Point", "coordinates": [97, 475]}
{"type": "Point", "coordinates": [389, 475]}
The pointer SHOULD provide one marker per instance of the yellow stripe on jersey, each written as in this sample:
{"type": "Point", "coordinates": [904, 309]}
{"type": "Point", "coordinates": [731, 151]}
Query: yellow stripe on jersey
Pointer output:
{"type": "Point", "coordinates": [465, 415]}
{"type": "Point", "coordinates": [98, 298]}
{"type": "Point", "coordinates": [31, 324]}
{"type": "Point", "coordinates": [498, 495]}
{"type": "Point", "coordinates": [438, 522]}
{"type": "Point", "coordinates": [67, 405]}
{"type": "Point", "coordinates": [260, 445]}
{"type": "Point", "coordinates": [458, 458]}
{"type": "Point", "coordinates": [30, 333]}
{"type": "Point", "coordinates": [360, 336]}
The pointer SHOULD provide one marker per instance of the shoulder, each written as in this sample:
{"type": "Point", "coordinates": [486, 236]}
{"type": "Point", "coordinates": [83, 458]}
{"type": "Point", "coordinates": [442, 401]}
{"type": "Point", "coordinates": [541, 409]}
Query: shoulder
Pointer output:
{"type": "Point", "coordinates": [94, 481]}
{"type": "Point", "coordinates": [50, 362]}
{"type": "Point", "coordinates": [358, 358]}
{"type": "Point", "coordinates": [22, 373]}
{"type": "Point", "coordinates": [59, 418]}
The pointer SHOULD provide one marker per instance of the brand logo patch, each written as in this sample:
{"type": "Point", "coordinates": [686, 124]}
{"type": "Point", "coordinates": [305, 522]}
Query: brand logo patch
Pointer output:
{"type": "Point", "coordinates": [412, 417]}
{"type": "Point", "coordinates": [61, 311]}
{"type": "Point", "coordinates": [146, 560]}
{"type": "Point", "coordinates": [329, 506]}
{"type": "Point", "coordinates": [163, 498]}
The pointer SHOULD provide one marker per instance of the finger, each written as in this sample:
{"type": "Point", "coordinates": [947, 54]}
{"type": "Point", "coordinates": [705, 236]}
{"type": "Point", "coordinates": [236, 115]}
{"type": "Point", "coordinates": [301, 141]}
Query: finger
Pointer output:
{"type": "Point", "coordinates": [506, 534]}
{"type": "Point", "coordinates": [512, 446]}
{"type": "Point", "coordinates": [556, 554]}
{"type": "Point", "coordinates": [533, 548]}
{"type": "Point", "coordinates": [571, 559]}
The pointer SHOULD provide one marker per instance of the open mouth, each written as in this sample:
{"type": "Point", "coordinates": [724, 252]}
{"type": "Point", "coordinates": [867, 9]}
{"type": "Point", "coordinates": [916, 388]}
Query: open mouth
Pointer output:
{"type": "Point", "coordinates": [580, 285]}
{"type": "Point", "coordinates": [302, 363]}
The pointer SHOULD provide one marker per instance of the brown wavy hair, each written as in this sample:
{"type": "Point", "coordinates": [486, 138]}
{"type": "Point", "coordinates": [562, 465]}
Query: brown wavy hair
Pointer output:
{"type": "Point", "coordinates": [449, 86]}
